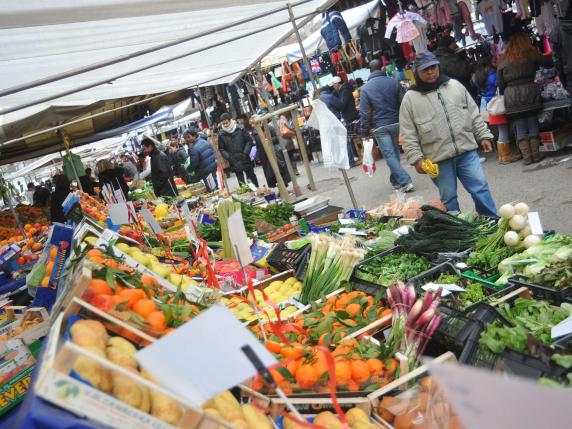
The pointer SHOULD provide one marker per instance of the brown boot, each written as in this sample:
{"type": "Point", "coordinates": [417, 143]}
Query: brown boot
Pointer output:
{"type": "Point", "coordinates": [524, 146]}
{"type": "Point", "coordinates": [505, 154]}
{"type": "Point", "coordinates": [535, 150]}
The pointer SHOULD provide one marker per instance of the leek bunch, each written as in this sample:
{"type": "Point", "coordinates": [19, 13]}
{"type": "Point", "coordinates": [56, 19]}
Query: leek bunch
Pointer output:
{"type": "Point", "coordinates": [332, 261]}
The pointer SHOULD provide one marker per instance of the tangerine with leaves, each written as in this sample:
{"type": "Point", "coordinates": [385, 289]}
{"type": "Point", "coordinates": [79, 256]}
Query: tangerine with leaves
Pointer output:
{"type": "Point", "coordinates": [132, 296]}
{"type": "Point", "coordinates": [360, 371]}
{"type": "Point", "coordinates": [145, 307]}
{"type": "Point", "coordinates": [99, 287]}
{"type": "Point", "coordinates": [343, 373]}
{"type": "Point", "coordinates": [306, 376]}
{"type": "Point", "coordinates": [157, 321]}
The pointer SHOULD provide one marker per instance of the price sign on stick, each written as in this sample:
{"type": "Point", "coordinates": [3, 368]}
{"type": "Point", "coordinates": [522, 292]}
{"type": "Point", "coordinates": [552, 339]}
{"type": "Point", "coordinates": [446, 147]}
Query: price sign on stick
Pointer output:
{"type": "Point", "coordinates": [119, 213]}
{"type": "Point", "coordinates": [239, 239]}
{"type": "Point", "coordinates": [485, 399]}
{"type": "Point", "coordinates": [107, 237]}
{"type": "Point", "coordinates": [535, 225]}
{"type": "Point", "coordinates": [150, 219]}
{"type": "Point", "coordinates": [206, 373]}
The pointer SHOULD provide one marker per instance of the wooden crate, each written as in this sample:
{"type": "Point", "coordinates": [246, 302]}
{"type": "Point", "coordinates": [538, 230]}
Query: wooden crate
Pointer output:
{"type": "Point", "coordinates": [55, 385]}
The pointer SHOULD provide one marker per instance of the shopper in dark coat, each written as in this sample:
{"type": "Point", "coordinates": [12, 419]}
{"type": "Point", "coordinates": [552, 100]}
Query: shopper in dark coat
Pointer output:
{"type": "Point", "coordinates": [202, 158]}
{"type": "Point", "coordinates": [345, 93]}
{"type": "Point", "coordinates": [453, 64]}
{"type": "Point", "coordinates": [161, 171]}
{"type": "Point", "coordinates": [235, 145]}
{"type": "Point", "coordinates": [178, 158]}
{"type": "Point", "coordinates": [110, 175]}
{"type": "Point", "coordinates": [522, 97]}
{"type": "Point", "coordinates": [271, 180]}
{"type": "Point", "coordinates": [561, 40]}
{"type": "Point", "coordinates": [58, 197]}
{"type": "Point", "coordinates": [328, 97]}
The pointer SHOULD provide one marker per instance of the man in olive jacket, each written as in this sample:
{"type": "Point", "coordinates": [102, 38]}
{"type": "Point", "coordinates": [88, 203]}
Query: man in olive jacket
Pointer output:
{"type": "Point", "coordinates": [440, 121]}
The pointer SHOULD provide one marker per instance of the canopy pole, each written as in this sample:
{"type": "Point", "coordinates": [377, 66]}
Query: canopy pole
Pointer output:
{"type": "Point", "coordinates": [268, 147]}
{"type": "Point", "coordinates": [295, 186]}
{"type": "Point", "coordinates": [302, 146]}
{"type": "Point", "coordinates": [350, 190]}
{"type": "Point", "coordinates": [204, 107]}
{"type": "Point", "coordinates": [66, 141]}
{"type": "Point", "coordinates": [303, 51]}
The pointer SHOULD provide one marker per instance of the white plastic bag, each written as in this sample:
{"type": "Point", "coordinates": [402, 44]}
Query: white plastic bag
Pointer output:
{"type": "Point", "coordinates": [368, 162]}
{"type": "Point", "coordinates": [333, 135]}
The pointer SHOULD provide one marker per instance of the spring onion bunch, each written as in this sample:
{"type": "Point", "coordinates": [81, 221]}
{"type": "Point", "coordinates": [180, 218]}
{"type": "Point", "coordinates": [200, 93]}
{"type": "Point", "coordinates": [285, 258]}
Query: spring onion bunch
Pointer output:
{"type": "Point", "coordinates": [414, 321]}
{"type": "Point", "coordinates": [332, 261]}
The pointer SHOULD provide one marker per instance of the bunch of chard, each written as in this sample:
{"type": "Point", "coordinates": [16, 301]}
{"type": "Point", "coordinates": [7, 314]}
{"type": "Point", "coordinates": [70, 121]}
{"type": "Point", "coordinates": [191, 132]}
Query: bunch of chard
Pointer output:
{"type": "Point", "coordinates": [414, 320]}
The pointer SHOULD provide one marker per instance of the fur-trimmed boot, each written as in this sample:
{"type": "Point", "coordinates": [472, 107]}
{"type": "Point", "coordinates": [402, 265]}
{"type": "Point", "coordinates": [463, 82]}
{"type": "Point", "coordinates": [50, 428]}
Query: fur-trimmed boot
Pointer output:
{"type": "Point", "coordinates": [525, 149]}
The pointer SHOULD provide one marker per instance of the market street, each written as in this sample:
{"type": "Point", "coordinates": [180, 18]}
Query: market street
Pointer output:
{"type": "Point", "coordinates": [545, 186]}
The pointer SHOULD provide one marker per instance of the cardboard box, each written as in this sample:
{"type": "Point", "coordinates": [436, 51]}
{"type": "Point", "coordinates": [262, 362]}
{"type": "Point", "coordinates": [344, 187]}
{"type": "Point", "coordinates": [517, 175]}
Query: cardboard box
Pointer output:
{"type": "Point", "coordinates": [553, 141]}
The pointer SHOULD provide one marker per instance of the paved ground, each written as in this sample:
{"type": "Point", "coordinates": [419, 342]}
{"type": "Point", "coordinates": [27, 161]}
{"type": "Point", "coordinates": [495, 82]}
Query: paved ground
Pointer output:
{"type": "Point", "coordinates": [546, 187]}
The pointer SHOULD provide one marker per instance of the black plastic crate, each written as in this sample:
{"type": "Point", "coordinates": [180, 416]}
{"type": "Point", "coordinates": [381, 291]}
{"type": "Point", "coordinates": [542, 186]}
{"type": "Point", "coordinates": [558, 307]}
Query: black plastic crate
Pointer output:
{"type": "Point", "coordinates": [365, 286]}
{"type": "Point", "coordinates": [284, 259]}
{"type": "Point", "coordinates": [510, 362]}
{"type": "Point", "coordinates": [453, 332]}
{"type": "Point", "coordinates": [433, 274]}
{"type": "Point", "coordinates": [555, 296]}
{"type": "Point", "coordinates": [356, 277]}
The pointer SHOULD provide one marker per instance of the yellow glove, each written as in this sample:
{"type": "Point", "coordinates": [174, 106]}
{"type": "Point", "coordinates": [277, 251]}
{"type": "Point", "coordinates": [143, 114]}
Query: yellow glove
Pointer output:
{"type": "Point", "coordinates": [430, 168]}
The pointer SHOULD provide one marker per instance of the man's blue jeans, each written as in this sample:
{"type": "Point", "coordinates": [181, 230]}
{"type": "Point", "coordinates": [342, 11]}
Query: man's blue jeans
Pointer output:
{"type": "Point", "coordinates": [468, 169]}
{"type": "Point", "coordinates": [387, 141]}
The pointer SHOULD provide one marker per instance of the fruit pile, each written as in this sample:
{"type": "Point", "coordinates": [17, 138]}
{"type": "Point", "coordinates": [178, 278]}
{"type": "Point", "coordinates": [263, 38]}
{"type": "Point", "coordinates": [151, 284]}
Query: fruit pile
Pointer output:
{"type": "Point", "coordinates": [166, 271]}
{"type": "Point", "coordinates": [135, 298]}
{"type": "Point", "coordinates": [10, 233]}
{"type": "Point", "coordinates": [357, 366]}
{"type": "Point", "coordinates": [356, 418]}
{"type": "Point", "coordinates": [421, 407]}
{"type": "Point", "coordinates": [41, 273]}
{"type": "Point", "coordinates": [277, 292]}
{"type": "Point", "coordinates": [224, 406]}
{"type": "Point", "coordinates": [92, 207]}
{"type": "Point", "coordinates": [92, 336]}
{"type": "Point", "coordinates": [341, 315]}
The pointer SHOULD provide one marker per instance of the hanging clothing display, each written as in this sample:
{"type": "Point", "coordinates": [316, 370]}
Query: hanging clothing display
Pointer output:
{"type": "Point", "coordinates": [371, 35]}
{"type": "Point", "coordinates": [443, 13]}
{"type": "Point", "coordinates": [404, 23]}
{"type": "Point", "coordinates": [490, 11]}
{"type": "Point", "coordinates": [333, 25]}
{"type": "Point", "coordinates": [420, 42]}
{"type": "Point", "coordinates": [546, 21]}
{"type": "Point", "coordinates": [522, 11]}
{"type": "Point", "coordinates": [465, 11]}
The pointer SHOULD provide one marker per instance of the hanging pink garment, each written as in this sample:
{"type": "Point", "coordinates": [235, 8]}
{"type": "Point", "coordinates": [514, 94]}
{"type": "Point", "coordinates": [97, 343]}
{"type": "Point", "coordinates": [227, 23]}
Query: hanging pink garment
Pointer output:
{"type": "Point", "coordinates": [466, 14]}
{"type": "Point", "coordinates": [404, 23]}
{"type": "Point", "coordinates": [443, 13]}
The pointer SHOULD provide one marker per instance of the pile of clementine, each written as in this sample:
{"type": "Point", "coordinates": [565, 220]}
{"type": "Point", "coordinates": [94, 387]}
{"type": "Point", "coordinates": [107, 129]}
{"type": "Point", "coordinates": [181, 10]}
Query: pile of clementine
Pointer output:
{"type": "Point", "coordinates": [304, 369]}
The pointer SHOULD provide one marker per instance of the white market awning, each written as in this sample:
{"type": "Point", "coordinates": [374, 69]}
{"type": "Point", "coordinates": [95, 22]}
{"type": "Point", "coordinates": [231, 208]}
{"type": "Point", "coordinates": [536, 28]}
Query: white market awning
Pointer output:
{"type": "Point", "coordinates": [41, 38]}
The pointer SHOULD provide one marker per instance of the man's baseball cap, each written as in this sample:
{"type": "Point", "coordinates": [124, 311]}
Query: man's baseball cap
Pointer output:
{"type": "Point", "coordinates": [335, 80]}
{"type": "Point", "coordinates": [425, 60]}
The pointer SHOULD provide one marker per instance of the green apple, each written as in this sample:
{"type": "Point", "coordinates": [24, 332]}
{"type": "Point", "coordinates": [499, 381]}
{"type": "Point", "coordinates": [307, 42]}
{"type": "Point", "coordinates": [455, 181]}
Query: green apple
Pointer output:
{"type": "Point", "coordinates": [125, 248]}
{"type": "Point", "coordinates": [141, 258]}
{"type": "Point", "coordinates": [159, 269]}
{"type": "Point", "coordinates": [176, 279]}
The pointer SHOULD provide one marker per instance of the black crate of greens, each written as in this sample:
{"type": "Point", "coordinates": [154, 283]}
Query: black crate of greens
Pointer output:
{"type": "Point", "coordinates": [544, 292]}
{"type": "Point", "coordinates": [284, 259]}
{"type": "Point", "coordinates": [390, 265]}
{"type": "Point", "coordinates": [503, 346]}
{"type": "Point", "coordinates": [446, 273]}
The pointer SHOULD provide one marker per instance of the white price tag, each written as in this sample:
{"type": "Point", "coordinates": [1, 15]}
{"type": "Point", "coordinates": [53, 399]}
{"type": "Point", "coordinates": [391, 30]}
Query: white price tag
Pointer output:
{"type": "Point", "coordinates": [151, 221]}
{"type": "Point", "coordinates": [563, 328]}
{"type": "Point", "coordinates": [119, 213]}
{"type": "Point", "coordinates": [252, 186]}
{"type": "Point", "coordinates": [211, 182]}
{"type": "Point", "coordinates": [191, 233]}
{"type": "Point", "coordinates": [239, 239]}
{"type": "Point", "coordinates": [106, 238]}
{"type": "Point", "coordinates": [446, 289]}
{"type": "Point", "coordinates": [535, 225]}
{"type": "Point", "coordinates": [346, 221]}
{"type": "Point", "coordinates": [206, 373]}
{"type": "Point", "coordinates": [351, 231]}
